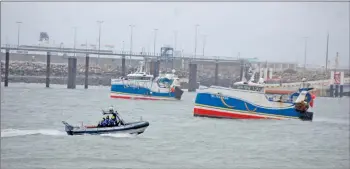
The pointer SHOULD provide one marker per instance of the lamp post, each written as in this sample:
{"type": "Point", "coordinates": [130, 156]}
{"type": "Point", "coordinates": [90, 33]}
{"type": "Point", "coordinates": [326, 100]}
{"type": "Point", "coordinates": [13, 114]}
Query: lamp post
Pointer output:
{"type": "Point", "coordinates": [195, 40]}
{"type": "Point", "coordinates": [75, 38]}
{"type": "Point", "coordinates": [123, 47]}
{"type": "Point", "coordinates": [327, 53]}
{"type": "Point", "coordinates": [155, 38]}
{"type": "Point", "coordinates": [99, 40]}
{"type": "Point", "coordinates": [204, 36]}
{"type": "Point", "coordinates": [18, 31]}
{"type": "Point", "coordinates": [131, 31]}
{"type": "Point", "coordinates": [305, 55]}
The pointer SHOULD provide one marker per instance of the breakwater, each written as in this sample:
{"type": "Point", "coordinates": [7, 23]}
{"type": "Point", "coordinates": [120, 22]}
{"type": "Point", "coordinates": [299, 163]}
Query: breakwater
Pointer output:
{"type": "Point", "coordinates": [94, 81]}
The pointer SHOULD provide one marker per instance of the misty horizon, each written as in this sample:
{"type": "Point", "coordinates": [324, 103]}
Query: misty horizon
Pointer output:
{"type": "Point", "coordinates": [268, 31]}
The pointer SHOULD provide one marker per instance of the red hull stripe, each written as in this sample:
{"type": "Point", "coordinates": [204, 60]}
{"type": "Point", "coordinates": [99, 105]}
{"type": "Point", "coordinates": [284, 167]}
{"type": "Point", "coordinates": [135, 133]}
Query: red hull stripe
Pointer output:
{"type": "Point", "coordinates": [233, 115]}
{"type": "Point", "coordinates": [135, 98]}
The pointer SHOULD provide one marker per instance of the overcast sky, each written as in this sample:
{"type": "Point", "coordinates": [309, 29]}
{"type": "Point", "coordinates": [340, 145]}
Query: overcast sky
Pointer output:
{"type": "Point", "coordinates": [268, 30]}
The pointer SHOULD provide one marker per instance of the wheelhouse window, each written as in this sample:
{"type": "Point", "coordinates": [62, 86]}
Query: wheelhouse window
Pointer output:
{"type": "Point", "coordinates": [139, 78]}
{"type": "Point", "coordinates": [247, 87]}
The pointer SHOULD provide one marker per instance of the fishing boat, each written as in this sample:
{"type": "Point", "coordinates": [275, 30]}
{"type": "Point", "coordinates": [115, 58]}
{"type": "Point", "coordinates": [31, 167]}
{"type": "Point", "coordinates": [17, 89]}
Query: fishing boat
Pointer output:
{"type": "Point", "coordinates": [143, 86]}
{"type": "Point", "coordinates": [248, 100]}
{"type": "Point", "coordinates": [130, 128]}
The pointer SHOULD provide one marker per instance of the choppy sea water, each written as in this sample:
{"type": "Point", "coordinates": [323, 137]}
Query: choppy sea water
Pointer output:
{"type": "Point", "coordinates": [32, 135]}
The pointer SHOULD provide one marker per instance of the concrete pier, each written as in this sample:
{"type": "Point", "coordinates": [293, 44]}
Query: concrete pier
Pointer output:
{"type": "Point", "coordinates": [192, 85]}
{"type": "Point", "coordinates": [72, 71]}
{"type": "Point", "coordinates": [7, 62]}
{"type": "Point", "coordinates": [216, 73]}
{"type": "Point", "coordinates": [154, 68]}
{"type": "Point", "coordinates": [87, 58]}
{"type": "Point", "coordinates": [123, 65]}
{"type": "Point", "coordinates": [48, 61]}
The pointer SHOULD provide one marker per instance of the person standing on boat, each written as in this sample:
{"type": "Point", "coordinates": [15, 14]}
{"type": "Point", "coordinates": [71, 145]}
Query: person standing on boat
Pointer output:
{"type": "Point", "coordinates": [115, 117]}
{"type": "Point", "coordinates": [107, 122]}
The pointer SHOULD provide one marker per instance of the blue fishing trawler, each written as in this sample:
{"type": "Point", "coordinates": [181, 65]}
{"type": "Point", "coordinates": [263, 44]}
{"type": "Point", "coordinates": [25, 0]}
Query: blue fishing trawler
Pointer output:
{"type": "Point", "coordinates": [247, 100]}
{"type": "Point", "coordinates": [143, 86]}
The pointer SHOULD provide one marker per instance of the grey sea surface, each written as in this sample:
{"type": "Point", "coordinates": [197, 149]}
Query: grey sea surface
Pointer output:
{"type": "Point", "coordinates": [32, 135]}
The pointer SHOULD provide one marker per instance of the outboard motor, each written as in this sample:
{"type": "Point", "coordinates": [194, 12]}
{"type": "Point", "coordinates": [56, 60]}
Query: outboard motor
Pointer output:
{"type": "Point", "coordinates": [68, 128]}
{"type": "Point", "coordinates": [178, 93]}
{"type": "Point", "coordinates": [306, 116]}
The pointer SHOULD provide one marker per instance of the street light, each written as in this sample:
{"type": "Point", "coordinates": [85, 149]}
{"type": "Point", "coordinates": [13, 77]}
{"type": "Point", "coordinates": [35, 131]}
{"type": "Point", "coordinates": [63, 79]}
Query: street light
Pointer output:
{"type": "Point", "coordinates": [131, 27]}
{"type": "Point", "coordinates": [99, 41]}
{"type": "Point", "coordinates": [155, 38]}
{"type": "Point", "coordinates": [305, 55]}
{"type": "Point", "coordinates": [327, 52]}
{"type": "Point", "coordinates": [195, 41]}
{"type": "Point", "coordinates": [204, 36]}
{"type": "Point", "coordinates": [19, 26]}
{"type": "Point", "coordinates": [123, 48]}
{"type": "Point", "coordinates": [75, 38]}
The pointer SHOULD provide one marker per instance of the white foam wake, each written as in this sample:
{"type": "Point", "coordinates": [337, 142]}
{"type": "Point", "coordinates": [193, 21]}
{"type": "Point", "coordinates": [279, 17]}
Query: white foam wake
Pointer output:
{"type": "Point", "coordinates": [15, 132]}
{"type": "Point", "coordinates": [119, 135]}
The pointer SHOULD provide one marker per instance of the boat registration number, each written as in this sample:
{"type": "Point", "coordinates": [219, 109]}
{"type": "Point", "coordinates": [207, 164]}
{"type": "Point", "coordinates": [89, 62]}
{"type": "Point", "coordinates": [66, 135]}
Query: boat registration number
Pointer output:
{"type": "Point", "coordinates": [219, 97]}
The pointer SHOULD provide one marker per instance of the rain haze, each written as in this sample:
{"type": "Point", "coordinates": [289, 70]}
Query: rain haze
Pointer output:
{"type": "Point", "coordinates": [260, 108]}
{"type": "Point", "coordinates": [266, 30]}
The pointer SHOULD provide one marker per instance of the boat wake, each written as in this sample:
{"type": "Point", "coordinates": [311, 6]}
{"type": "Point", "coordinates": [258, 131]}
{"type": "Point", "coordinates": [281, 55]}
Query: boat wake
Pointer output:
{"type": "Point", "coordinates": [16, 132]}
{"type": "Point", "coordinates": [51, 132]}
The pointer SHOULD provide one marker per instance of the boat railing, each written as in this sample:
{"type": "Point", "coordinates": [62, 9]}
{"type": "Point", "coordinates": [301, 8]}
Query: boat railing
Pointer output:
{"type": "Point", "coordinates": [233, 89]}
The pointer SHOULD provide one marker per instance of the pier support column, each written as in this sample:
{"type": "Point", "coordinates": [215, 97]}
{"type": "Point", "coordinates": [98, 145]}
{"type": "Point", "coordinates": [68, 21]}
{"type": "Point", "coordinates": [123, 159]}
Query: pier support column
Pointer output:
{"type": "Point", "coordinates": [145, 64]}
{"type": "Point", "coordinates": [151, 67]}
{"type": "Point", "coordinates": [331, 91]}
{"type": "Point", "coordinates": [87, 58]}
{"type": "Point", "coordinates": [216, 73]}
{"type": "Point", "coordinates": [192, 80]}
{"type": "Point", "coordinates": [72, 70]}
{"type": "Point", "coordinates": [341, 90]}
{"type": "Point", "coordinates": [157, 68]}
{"type": "Point", "coordinates": [48, 62]}
{"type": "Point", "coordinates": [7, 62]}
{"type": "Point", "coordinates": [336, 93]}
{"type": "Point", "coordinates": [123, 65]}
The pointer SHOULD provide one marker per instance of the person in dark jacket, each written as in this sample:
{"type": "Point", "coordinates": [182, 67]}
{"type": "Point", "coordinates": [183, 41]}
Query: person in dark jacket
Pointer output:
{"type": "Point", "coordinates": [100, 124]}
{"type": "Point", "coordinates": [115, 116]}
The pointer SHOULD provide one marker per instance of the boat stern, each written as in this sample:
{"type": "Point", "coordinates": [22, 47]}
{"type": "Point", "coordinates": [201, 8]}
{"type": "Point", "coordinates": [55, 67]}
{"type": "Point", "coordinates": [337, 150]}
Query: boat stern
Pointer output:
{"type": "Point", "coordinates": [68, 128]}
